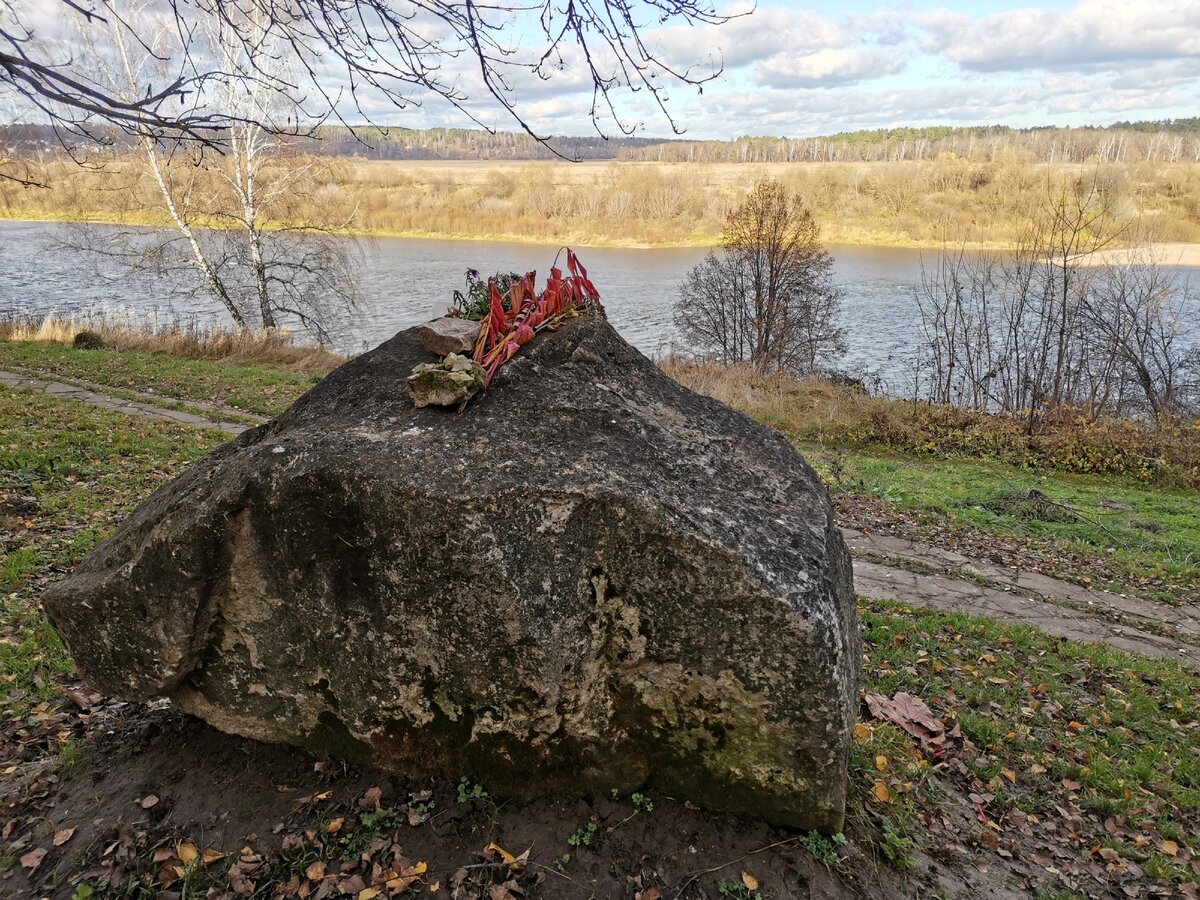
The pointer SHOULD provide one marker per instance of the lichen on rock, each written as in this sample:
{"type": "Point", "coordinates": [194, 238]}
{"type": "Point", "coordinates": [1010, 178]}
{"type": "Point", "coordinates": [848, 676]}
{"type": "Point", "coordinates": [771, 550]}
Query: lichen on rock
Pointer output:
{"type": "Point", "coordinates": [451, 382]}
{"type": "Point", "coordinates": [590, 579]}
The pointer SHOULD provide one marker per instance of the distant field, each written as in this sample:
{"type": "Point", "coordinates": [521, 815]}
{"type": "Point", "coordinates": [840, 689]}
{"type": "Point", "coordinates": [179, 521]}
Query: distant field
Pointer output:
{"type": "Point", "coordinates": [622, 203]}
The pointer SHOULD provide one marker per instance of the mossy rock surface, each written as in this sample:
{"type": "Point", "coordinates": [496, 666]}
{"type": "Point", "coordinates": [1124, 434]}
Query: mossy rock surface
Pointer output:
{"type": "Point", "coordinates": [590, 578]}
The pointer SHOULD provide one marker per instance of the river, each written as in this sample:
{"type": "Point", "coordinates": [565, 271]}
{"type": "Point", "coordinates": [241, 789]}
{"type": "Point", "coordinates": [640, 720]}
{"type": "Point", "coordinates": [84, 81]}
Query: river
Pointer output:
{"type": "Point", "coordinates": [405, 281]}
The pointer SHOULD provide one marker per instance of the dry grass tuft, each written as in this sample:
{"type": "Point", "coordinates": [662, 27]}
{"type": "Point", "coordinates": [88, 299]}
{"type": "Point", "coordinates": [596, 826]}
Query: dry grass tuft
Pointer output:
{"type": "Point", "coordinates": [818, 412]}
{"type": "Point", "coordinates": [270, 347]}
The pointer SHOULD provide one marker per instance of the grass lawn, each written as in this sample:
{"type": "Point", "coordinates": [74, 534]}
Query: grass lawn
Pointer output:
{"type": "Point", "coordinates": [68, 474]}
{"type": "Point", "coordinates": [1081, 752]}
{"type": "Point", "coordinates": [259, 389]}
{"type": "Point", "coordinates": [1143, 534]}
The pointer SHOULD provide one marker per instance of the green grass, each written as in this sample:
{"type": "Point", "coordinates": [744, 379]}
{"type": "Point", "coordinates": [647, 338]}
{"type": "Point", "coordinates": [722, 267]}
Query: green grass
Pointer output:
{"type": "Point", "coordinates": [1157, 537]}
{"type": "Point", "coordinates": [1075, 726]}
{"type": "Point", "coordinates": [257, 389]}
{"type": "Point", "coordinates": [84, 469]}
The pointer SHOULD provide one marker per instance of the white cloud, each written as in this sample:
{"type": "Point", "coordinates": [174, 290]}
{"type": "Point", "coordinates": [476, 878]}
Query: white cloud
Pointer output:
{"type": "Point", "coordinates": [749, 38]}
{"type": "Point", "coordinates": [828, 67]}
{"type": "Point", "coordinates": [1092, 34]}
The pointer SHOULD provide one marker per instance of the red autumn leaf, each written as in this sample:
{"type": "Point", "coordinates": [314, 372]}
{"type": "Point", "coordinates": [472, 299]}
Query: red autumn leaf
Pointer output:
{"type": "Point", "coordinates": [506, 328]}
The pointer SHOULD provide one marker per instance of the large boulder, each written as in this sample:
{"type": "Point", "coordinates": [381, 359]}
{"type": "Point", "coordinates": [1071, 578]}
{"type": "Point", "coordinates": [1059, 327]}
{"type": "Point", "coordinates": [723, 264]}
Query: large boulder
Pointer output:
{"type": "Point", "coordinates": [591, 578]}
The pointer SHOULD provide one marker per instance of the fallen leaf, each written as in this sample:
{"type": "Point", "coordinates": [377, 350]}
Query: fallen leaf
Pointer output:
{"type": "Point", "coordinates": [880, 792]}
{"type": "Point", "coordinates": [211, 856]}
{"type": "Point", "coordinates": [881, 762]}
{"type": "Point", "coordinates": [862, 733]}
{"type": "Point", "coordinates": [33, 858]}
{"type": "Point", "coordinates": [504, 854]}
{"type": "Point", "coordinates": [749, 881]}
{"type": "Point", "coordinates": [1170, 848]}
{"type": "Point", "coordinates": [61, 837]}
{"type": "Point", "coordinates": [148, 801]}
{"type": "Point", "coordinates": [324, 796]}
{"type": "Point", "coordinates": [187, 853]}
{"type": "Point", "coordinates": [335, 826]}
{"type": "Point", "coordinates": [370, 800]}
{"type": "Point", "coordinates": [315, 872]}
{"type": "Point", "coordinates": [910, 713]}
{"type": "Point", "coordinates": [162, 855]}
{"type": "Point", "coordinates": [1010, 775]}
{"type": "Point", "coordinates": [368, 893]}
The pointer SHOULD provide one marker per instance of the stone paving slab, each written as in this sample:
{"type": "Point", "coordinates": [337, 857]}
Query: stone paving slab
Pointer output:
{"type": "Point", "coordinates": [118, 404]}
{"type": "Point", "coordinates": [1156, 629]}
{"type": "Point", "coordinates": [150, 397]}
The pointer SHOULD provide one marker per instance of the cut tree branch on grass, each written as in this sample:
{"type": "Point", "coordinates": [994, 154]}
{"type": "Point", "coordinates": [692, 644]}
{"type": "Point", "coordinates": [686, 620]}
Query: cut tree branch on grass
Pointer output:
{"type": "Point", "coordinates": [683, 887]}
{"type": "Point", "coordinates": [515, 316]}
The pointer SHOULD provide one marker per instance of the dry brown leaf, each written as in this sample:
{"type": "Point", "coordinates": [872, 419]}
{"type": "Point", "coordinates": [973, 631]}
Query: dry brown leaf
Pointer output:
{"type": "Point", "coordinates": [187, 853]}
{"type": "Point", "coordinates": [61, 837]}
{"type": "Point", "coordinates": [508, 858]}
{"type": "Point", "coordinates": [323, 796]}
{"type": "Point", "coordinates": [880, 792]}
{"type": "Point", "coordinates": [1170, 848]}
{"type": "Point", "coordinates": [150, 800]}
{"type": "Point", "coordinates": [33, 858]}
{"type": "Point", "coordinates": [749, 881]}
{"type": "Point", "coordinates": [335, 826]}
{"type": "Point", "coordinates": [162, 855]}
{"type": "Point", "coordinates": [211, 856]}
{"type": "Point", "coordinates": [908, 712]}
{"type": "Point", "coordinates": [371, 799]}
{"type": "Point", "coordinates": [315, 872]}
{"type": "Point", "coordinates": [881, 762]}
{"type": "Point", "coordinates": [368, 893]}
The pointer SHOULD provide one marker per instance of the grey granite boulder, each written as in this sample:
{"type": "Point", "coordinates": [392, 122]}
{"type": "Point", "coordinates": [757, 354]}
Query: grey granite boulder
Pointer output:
{"type": "Point", "coordinates": [591, 578]}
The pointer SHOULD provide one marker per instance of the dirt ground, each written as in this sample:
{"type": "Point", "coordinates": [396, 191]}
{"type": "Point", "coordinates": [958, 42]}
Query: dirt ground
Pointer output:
{"type": "Point", "coordinates": [156, 778]}
{"type": "Point", "coordinates": [157, 782]}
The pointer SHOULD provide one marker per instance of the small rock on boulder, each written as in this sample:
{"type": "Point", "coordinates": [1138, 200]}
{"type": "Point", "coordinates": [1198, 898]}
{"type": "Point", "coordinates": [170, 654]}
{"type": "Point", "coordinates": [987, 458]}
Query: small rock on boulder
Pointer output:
{"type": "Point", "coordinates": [449, 334]}
{"type": "Point", "coordinates": [451, 382]}
{"type": "Point", "coordinates": [590, 579]}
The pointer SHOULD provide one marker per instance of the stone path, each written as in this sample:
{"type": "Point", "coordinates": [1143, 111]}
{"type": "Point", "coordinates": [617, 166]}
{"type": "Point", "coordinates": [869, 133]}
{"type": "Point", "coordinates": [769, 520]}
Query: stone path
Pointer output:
{"type": "Point", "coordinates": [144, 407]}
{"type": "Point", "coordinates": [885, 567]}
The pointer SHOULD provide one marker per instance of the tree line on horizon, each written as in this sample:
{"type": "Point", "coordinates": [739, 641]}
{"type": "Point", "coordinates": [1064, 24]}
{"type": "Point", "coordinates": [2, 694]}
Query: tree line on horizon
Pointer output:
{"type": "Point", "coordinates": [1163, 140]}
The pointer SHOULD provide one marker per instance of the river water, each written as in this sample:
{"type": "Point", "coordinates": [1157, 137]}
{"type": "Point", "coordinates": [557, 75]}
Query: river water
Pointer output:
{"type": "Point", "coordinates": [405, 281]}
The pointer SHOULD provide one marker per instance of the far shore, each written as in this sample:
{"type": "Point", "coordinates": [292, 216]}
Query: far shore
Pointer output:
{"type": "Point", "coordinates": [1175, 254]}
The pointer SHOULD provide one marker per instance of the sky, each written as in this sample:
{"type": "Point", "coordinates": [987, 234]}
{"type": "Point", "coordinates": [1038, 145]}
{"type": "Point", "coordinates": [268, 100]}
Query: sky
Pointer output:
{"type": "Point", "coordinates": [803, 69]}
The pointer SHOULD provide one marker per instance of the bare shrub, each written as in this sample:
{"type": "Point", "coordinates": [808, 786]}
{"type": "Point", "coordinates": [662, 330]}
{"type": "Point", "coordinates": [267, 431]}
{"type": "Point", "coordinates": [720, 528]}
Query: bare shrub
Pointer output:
{"type": "Point", "coordinates": [768, 299]}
